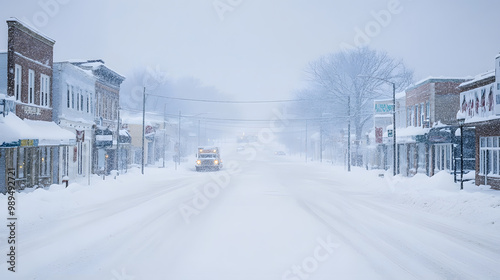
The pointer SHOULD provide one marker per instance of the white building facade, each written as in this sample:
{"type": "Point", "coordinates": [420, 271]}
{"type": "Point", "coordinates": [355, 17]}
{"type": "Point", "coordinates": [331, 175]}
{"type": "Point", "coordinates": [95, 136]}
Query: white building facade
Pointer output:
{"type": "Point", "coordinates": [74, 110]}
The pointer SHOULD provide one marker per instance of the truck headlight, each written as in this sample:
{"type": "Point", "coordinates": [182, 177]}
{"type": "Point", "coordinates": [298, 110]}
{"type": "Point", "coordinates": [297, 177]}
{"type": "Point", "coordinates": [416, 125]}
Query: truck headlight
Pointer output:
{"type": "Point", "coordinates": [198, 162]}
{"type": "Point", "coordinates": [216, 162]}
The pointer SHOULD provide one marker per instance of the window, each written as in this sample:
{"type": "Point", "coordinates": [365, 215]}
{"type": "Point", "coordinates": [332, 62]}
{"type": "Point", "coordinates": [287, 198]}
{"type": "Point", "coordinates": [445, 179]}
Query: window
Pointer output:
{"type": "Point", "coordinates": [21, 163]}
{"type": "Point", "coordinates": [45, 161]}
{"type": "Point", "coordinates": [489, 156]}
{"type": "Point", "coordinates": [422, 114]}
{"type": "Point", "coordinates": [77, 99]}
{"type": "Point", "coordinates": [91, 105]}
{"type": "Point", "coordinates": [421, 158]}
{"type": "Point", "coordinates": [44, 90]}
{"type": "Point", "coordinates": [428, 111]}
{"type": "Point", "coordinates": [72, 97]}
{"type": "Point", "coordinates": [88, 103]}
{"type": "Point", "coordinates": [408, 117]}
{"type": "Point", "coordinates": [65, 161]}
{"type": "Point", "coordinates": [18, 75]}
{"type": "Point", "coordinates": [31, 86]}
{"type": "Point", "coordinates": [81, 101]}
{"type": "Point", "coordinates": [417, 115]}
{"type": "Point", "coordinates": [442, 160]}
{"type": "Point", "coordinates": [68, 95]}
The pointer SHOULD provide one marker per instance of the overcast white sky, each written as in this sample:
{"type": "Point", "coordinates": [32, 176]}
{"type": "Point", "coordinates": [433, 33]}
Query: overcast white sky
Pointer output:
{"type": "Point", "coordinates": [259, 49]}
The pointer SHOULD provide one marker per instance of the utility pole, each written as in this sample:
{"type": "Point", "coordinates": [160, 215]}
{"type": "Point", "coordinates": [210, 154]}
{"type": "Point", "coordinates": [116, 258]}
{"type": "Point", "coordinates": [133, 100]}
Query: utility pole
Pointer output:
{"type": "Point", "coordinates": [394, 126]}
{"type": "Point", "coordinates": [117, 158]}
{"type": "Point", "coordinates": [143, 127]}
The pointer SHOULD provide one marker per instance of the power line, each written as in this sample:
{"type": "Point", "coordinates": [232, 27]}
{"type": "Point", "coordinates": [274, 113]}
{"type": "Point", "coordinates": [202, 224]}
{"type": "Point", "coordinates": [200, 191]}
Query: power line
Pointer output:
{"type": "Point", "coordinates": [229, 101]}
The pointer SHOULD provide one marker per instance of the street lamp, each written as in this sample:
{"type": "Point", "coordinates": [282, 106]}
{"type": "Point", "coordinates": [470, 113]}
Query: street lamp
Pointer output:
{"type": "Point", "coordinates": [461, 122]}
{"type": "Point", "coordinates": [394, 154]}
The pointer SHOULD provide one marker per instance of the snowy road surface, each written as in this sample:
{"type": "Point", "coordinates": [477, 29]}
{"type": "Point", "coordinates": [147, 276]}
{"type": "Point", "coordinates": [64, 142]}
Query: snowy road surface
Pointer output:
{"type": "Point", "coordinates": [268, 217]}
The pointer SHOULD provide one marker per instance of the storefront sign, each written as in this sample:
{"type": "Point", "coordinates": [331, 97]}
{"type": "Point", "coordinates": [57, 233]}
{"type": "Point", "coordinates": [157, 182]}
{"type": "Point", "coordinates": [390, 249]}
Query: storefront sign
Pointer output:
{"type": "Point", "coordinates": [28, 110]}
{"type": "Point", "coordinates": [103, 138]}
{"type": "Point", "coordinates": [384, 108]}
{"type": "Point", "coordinates": [29, 143]}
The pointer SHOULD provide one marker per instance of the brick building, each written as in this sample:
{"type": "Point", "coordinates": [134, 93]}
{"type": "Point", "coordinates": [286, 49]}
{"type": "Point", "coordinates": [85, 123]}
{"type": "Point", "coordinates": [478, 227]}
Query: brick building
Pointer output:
{"type": "Point", "coordinates": [480, 107]}
{"type": "Point", "coordinates": [30, 141]}
{"type": "Point", "coordinates": [426, 144]}
{"type": "Point", "coordinates": [30, 56]}
{"type": "Point", "coordinates": [107, 103]}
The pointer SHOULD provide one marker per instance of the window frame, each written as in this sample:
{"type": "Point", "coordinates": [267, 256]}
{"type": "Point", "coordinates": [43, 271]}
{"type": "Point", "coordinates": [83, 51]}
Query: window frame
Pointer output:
{"type": "Point", "coordinates": [31, 86]}
{"type": "Point", "coordinates": [18, 81]}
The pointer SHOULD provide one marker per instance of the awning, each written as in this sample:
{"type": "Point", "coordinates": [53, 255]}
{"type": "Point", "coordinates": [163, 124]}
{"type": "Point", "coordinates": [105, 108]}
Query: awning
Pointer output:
{"type": "Point", "coordinates": [125, 137]}
{"type": "Point", "coordinates": [13, 130]}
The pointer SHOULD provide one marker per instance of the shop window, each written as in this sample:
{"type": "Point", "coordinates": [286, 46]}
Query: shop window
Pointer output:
{"type": "Point", "coordinates": [442, 159]}
{"type": "Point", "coordinates": [489, 156]}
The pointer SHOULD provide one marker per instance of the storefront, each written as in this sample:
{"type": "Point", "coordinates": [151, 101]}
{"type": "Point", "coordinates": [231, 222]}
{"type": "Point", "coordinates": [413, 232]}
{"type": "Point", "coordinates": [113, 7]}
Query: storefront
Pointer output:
{"type": "Point", "coordinates": [488, 153]}
{"type": "Point", "coordinates": [30, 150]}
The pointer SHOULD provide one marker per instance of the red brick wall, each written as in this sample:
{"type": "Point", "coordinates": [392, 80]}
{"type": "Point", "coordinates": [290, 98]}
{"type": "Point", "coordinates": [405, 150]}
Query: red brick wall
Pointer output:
{"type": "Point", "coordinates": [32, 52]}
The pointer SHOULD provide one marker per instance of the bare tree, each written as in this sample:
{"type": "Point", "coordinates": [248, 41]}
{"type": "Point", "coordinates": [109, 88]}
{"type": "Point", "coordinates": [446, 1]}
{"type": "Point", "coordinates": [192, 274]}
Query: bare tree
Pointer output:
{"type": "Point", "coordinates": [354, 78]}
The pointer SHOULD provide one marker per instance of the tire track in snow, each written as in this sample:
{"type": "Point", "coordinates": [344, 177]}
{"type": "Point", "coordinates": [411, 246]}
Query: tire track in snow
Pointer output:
{"type": "Point", "coordinates": [96, 219]}
{"type": "Point", "coordinates": [427, 255]}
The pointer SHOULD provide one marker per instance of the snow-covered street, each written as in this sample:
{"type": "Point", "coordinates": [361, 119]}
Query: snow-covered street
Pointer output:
{"type": "Point", "coordinates": [261, 217]}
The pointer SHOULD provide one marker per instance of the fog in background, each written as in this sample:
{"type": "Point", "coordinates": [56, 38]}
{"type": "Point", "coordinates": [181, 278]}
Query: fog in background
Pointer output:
{"type": "Point", "coordinates": [258, 50]}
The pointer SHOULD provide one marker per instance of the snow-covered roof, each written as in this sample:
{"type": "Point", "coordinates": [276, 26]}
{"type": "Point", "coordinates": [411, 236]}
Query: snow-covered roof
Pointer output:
{"type": "Point", "coordinates": [431, 79]}
{"type": "Point", "coordinates": [96, 65]}
{"type": "Point", "coordinates": [68, 63]}
{"type": "Point", "coordinates": [411, 131]}
{"type": "Point", "coordinates": [480, 77]}
{"type": "Point", "coordinates": [31, 28]}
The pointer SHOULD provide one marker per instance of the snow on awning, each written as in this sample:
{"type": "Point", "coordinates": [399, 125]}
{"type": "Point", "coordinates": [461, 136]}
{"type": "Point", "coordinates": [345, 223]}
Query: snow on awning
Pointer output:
{"type": "Point", "coordinates": [15, 129]}
{"type": "Point", "coordinates": [49, 133]}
